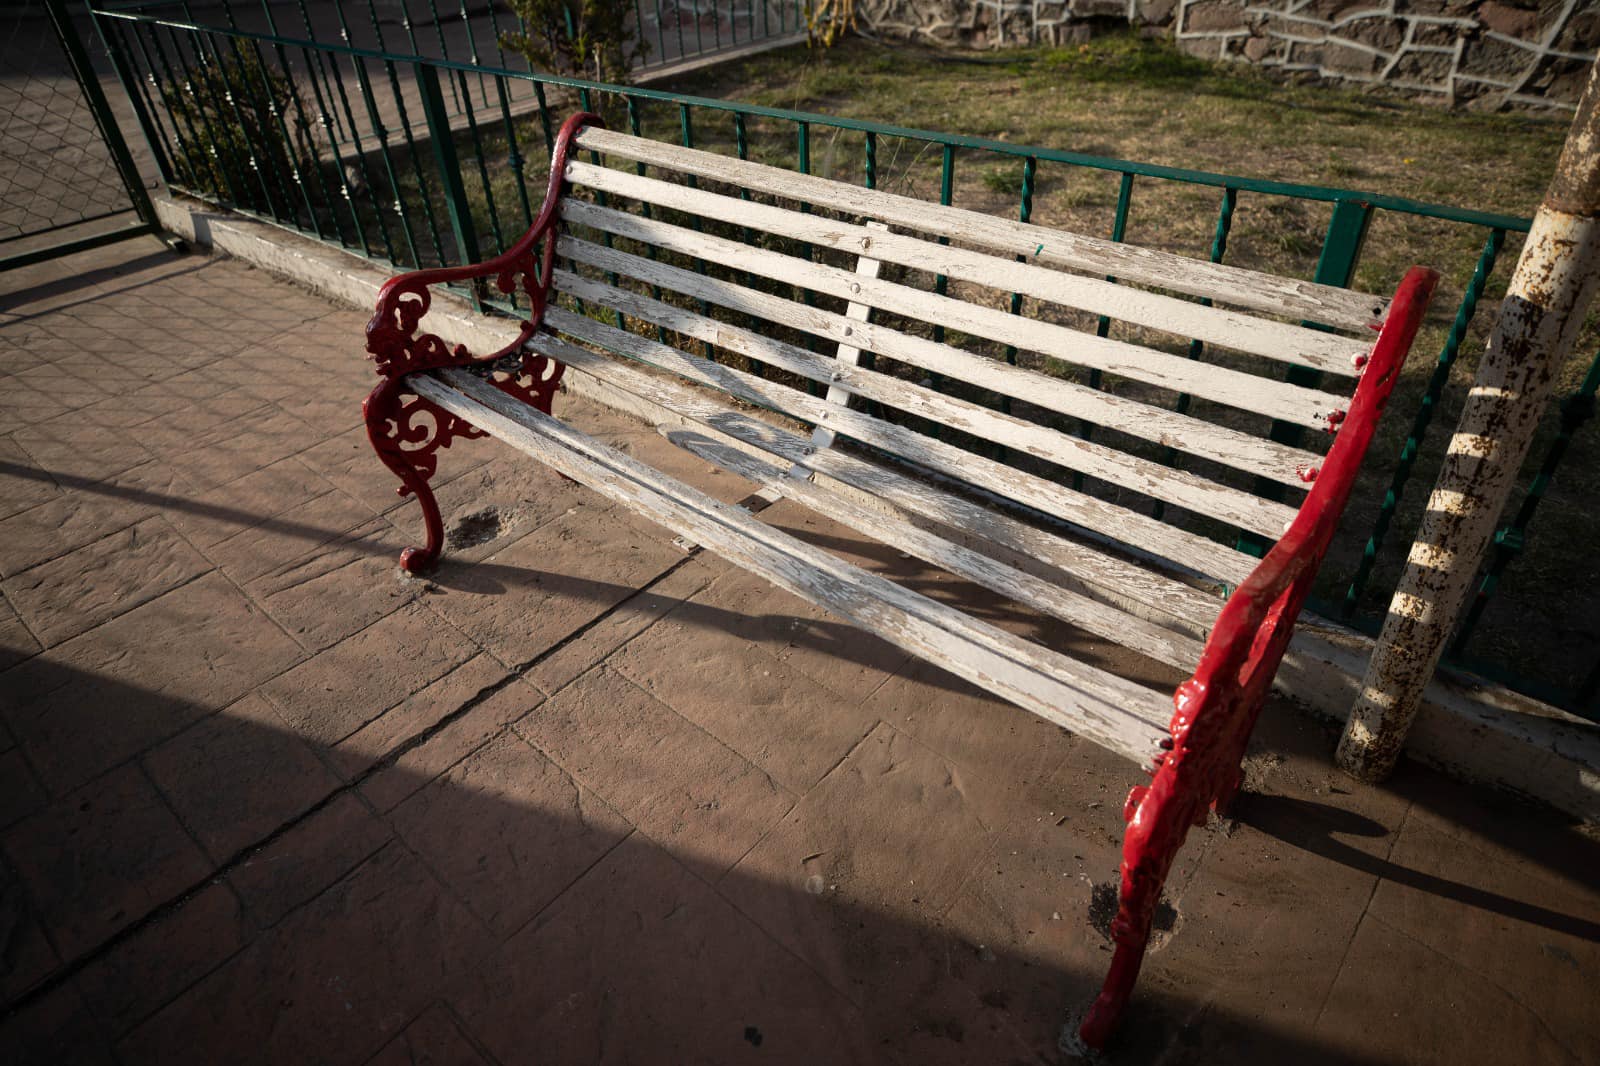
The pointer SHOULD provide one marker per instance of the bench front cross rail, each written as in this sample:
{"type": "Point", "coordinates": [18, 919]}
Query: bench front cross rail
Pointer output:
{"type": "Point", "coordinates": [711, 258]}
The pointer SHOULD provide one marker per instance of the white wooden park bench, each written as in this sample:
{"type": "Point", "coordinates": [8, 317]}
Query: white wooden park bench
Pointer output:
{"type": "Point", "coordinates": [730, 274]}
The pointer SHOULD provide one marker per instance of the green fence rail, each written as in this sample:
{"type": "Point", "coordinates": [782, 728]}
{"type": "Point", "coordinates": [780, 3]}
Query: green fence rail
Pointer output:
{"type": "Point", "coordinates": [415, 160]}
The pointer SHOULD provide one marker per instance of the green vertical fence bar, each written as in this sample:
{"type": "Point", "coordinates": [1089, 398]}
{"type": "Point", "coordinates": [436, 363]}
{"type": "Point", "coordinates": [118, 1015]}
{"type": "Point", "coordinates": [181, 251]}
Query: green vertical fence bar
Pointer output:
{"type": "Point", "coordinates": [947, 175]}
{"type": "Point", "coordinates": [173, 93]}
{"type": "Point", "coordinates": [1219, 248]}
{"type": "Point", "coordinates": [481, 157]}
{"type": "Point", "coordinates": [699, 38]}
{"type": "Point", "coordinates": [472, 53]}
{"type": "Point", "coordinates": [410, 138]}
{"type": "Point", "coordinates": [1119, 230]}
{"type": "Point", "coordinates": [410, 27]}
{"type": "Point", "coordinates": [444, 155]}
{"type": "Point", "coordinates": [1030, 168]}
{"type": "Point", "coordinates": [1575, 409]}
{"type": "Point", "coordinates": [802, 149]}
{"type": "Point", "coordinates": [360, 153]}
{"type": "Point", "coordinates": [444, 49]}
{"type": "Point", "coordinates": [586, 103]}
{"type": "Point", "coordinates": [152, 80]}
{"type": "Point", "coordinates": [239, 49]}
{"type": "Point", "coordinates": [380, 133]}
{"type": "Point", "coordinates": [741, 147]}
{"type": "Point", "coordinates": [200, 43]}
{"type": "Point", "coordinates": [869, 166]}
{"type": "Point", "coordinates": [638, 22]}
{"type": "Point", "coordinates": [300, 114]}
{"type": "Point", "coordinates": [514, 154]}
{"type": "Point", "coordinates": [1336, 265]}
{"type": "Point", "coordinates": [110, 133]}
{"type": "Point", "coordinates": [270, 106]}
{"type": "Point", "coordinates": [802, 145]}
{"type": "Point", "coordinates": [326, 117]}
{"type": "Point", "coordinates": [1421, 420]}
{"type": "Point", "coordinates": [661, 30]}
{"type": "Point", "coordinates": [635, 121]}
{"type": "Point", "coordinates": [226, 104]}
{"type": "Point", "coordinates": [218, 148]}
{"type": "Point", "coordinates": [137, 91]}
{"type": "Point", "coordinates": [514, 157]}
{"type": "Point", "coordinates": [332, 64]}
{"type": "Point", "coordinates": [499, 48]}
{"type": "Point", "coordinates": [544, 119]}
{"type": "Point", "coordinates": [1102, 328]}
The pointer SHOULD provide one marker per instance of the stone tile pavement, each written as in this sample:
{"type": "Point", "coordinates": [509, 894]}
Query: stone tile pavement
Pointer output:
{"type": "Point", "coordinates": [579, 798]}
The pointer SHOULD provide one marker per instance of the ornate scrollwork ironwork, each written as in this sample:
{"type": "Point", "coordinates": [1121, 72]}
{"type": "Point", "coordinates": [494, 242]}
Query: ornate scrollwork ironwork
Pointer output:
{"type": "Point", "coordinates": [408, 431]}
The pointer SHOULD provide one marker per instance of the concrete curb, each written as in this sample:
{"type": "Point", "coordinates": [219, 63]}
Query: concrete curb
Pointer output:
{"type": "Point", "coordinates": [1467, 726]}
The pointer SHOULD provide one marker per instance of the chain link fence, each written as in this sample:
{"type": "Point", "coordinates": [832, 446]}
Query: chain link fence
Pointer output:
{"type": "Point", "coordinates": [61, 181]}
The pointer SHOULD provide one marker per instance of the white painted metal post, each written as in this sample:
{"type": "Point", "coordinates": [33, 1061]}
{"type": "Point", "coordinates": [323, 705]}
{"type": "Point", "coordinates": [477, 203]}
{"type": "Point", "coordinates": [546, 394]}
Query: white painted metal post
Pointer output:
{"type": "Point", "coordinates": [1555, 281]}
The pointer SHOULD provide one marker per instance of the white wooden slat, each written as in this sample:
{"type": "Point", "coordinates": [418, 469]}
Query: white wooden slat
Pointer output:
{"type": "Point", "coordinates": [848, 355]}
{"type": "Point", "coordinates": [1103, 708]}
{"type": "Point", "coordinates": [1329, 352]}
{"type": "Point", "coordinates": [1222, 502]}
{"type": "Point", "coordinates": [1074, 564]}
{"type": "Point", "coordinates": [1233, 286]}
{"type": "Point", "coordinates": [1278, 399]}
{"type": "Point", "coordinates": [1070, 563]}
{"type": "Point", "coordinates": [1129, 527]}
{"type": "Point", "coordinates": [1090, 615]}
{"type": "Point", "coordinates": [1242, 451]}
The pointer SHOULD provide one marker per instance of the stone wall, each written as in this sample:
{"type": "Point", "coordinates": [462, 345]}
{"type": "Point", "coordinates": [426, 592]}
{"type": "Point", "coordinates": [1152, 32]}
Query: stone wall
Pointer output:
{"type": "Point", "coordinates": [1479, 53]}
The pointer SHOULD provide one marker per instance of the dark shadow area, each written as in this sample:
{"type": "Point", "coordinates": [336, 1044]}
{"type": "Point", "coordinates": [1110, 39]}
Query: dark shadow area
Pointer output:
{"type": "Point", "coordinates": [92, 277]}
{"type": "Point", "coordinates": [526, 922]}
{"type": "Point", "coordinates": [1315, 827]}
{"type": "Point", "coordinates": [166, 501]}
{"type": "Point", "coordinates": [489, 578]}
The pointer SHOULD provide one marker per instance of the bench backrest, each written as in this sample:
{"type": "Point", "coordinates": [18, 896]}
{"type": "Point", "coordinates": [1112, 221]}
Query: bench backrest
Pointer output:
{"type": "Point", "coordinates": [893, 322]}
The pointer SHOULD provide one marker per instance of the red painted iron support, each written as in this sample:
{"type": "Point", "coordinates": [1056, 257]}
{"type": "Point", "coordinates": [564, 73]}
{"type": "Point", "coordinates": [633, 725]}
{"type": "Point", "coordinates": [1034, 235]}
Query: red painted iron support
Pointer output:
{"type": "Point", "coordinates": [407, 431]}
{"type": "Point", "coordinates": [1216, 709]}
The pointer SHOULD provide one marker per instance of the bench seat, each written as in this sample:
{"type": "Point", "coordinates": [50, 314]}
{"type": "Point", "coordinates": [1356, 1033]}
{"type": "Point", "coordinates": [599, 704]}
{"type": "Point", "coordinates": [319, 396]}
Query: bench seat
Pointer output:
{"type": "Point", "coordinates": [865, 355]}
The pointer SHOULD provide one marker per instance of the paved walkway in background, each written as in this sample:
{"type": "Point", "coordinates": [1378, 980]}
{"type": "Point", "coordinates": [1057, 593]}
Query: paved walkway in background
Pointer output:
{"type": "Point", "coordinates": [581, 799]}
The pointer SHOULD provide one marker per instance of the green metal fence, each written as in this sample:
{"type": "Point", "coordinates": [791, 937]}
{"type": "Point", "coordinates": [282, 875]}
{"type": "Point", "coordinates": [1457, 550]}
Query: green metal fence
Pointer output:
{"type": "Point", "coordinates": [67, 180]}
{"type": "Point", "coordinates": [414, 159]}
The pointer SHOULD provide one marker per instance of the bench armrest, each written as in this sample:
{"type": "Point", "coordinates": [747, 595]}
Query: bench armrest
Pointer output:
{"type": "Point", "coordinates": [392, 340]}
{"type": "Point", "coordinates": [408, 431]}
{"type": "Point", "coordinates": [1216, 709]}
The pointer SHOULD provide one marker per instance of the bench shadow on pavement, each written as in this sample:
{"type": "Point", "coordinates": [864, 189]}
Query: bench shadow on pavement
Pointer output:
{"type": "Point", "coordinates": [1316, 828]}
